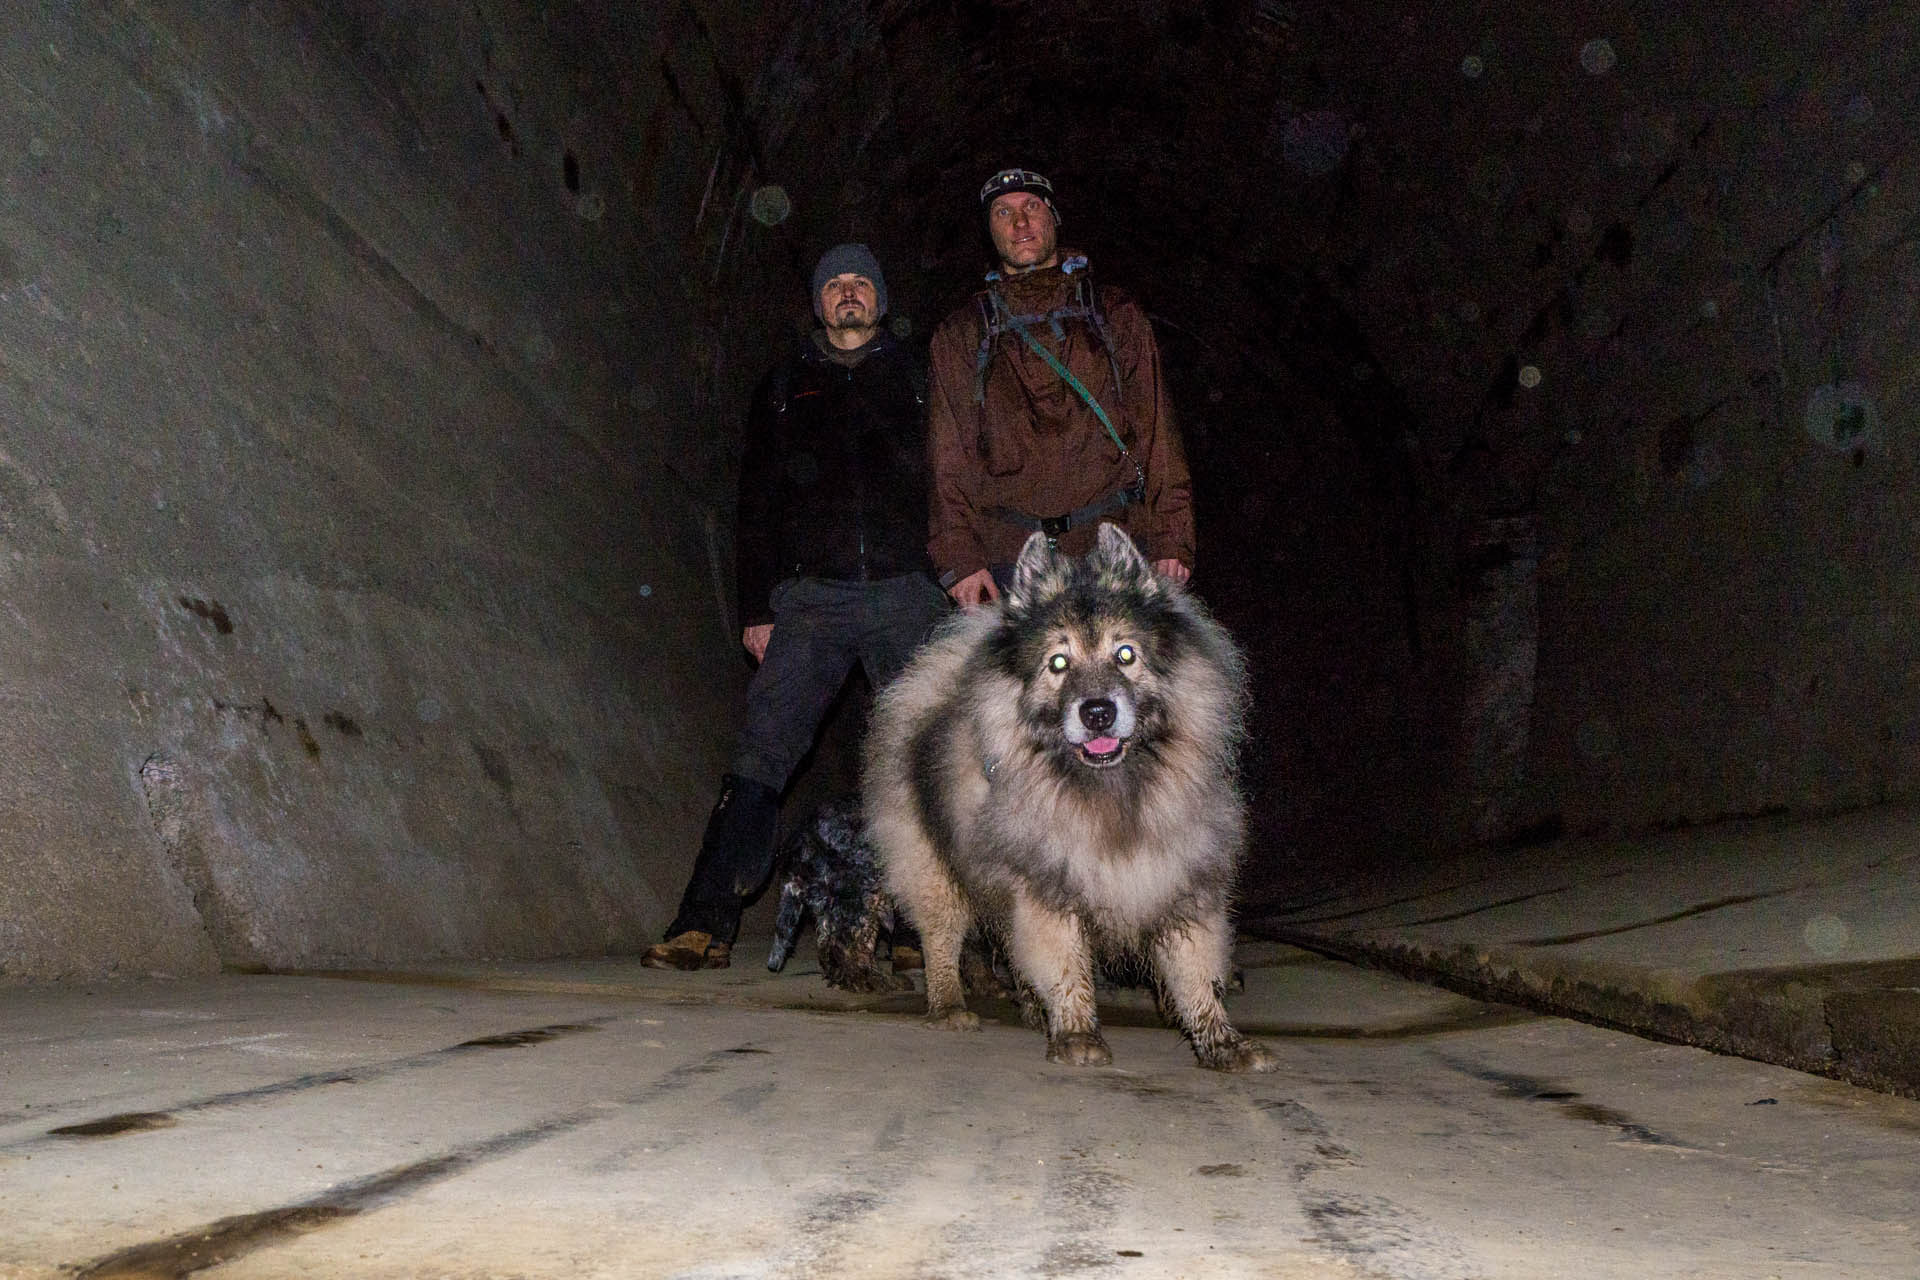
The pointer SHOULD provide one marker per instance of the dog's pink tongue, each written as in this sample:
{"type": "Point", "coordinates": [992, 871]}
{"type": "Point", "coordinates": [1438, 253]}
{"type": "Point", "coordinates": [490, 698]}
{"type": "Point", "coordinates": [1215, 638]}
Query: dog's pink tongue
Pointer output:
{"type": "Point", "coordinates": [1103, 746]}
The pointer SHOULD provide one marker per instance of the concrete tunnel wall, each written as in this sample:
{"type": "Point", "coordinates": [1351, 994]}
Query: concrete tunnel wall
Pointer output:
{"type": "Point", "coordinates": [364, 515]}
{"type": "Point", "coordinates": [1580, 451]}
{"type": "Point", "coordinates": [371, 376]}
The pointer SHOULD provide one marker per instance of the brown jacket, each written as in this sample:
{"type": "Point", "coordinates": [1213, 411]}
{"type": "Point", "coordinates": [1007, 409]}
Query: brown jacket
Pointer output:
{"type": "Point", "coordinates": [1030, 444]}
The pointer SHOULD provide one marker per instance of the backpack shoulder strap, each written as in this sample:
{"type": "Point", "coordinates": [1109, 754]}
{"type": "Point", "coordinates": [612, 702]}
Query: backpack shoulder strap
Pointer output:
{"type": "Point", "coordinates": [1096, 314]}
{"type": "Point", "coordinates": [989, 330]}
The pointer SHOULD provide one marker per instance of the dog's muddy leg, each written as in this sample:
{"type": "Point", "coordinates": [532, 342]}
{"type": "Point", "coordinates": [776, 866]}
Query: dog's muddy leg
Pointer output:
{"type": "Point", "coordinates": [943, 920]}
{"type": "Point", "coordinates": [1191, 963]}
{"type": "Point", "coordinates": [1049, 950]}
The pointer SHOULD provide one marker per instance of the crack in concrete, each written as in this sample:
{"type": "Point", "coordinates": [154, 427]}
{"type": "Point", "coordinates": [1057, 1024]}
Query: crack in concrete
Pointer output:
{"type": "Point", "coordinates": [1703, 908]}
{"type": "Point", "coordinates": [1491, 906]}
{"type": "Point", "coordinates": [1532, 1089]}
{"type": "Point", "coordinates": [226, 1239]}
{"type": "Point", "coordinates": [1269, 924]}
{"type": "Point", "coordinates": [130, 1122]}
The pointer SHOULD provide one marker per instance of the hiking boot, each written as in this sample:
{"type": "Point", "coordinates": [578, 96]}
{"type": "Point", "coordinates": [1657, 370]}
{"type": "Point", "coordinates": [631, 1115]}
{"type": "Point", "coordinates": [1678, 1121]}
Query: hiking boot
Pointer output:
{"type": "Point", "coordinates": [689, 950]}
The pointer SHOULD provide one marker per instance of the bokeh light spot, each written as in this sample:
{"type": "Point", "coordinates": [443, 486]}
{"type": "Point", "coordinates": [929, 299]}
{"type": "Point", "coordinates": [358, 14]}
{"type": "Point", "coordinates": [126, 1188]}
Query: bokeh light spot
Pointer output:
{"type": "Point", "coordinates": [770, 205]}
{"type": "Point", "coordinates": [1827, 935]}
{"type": "Point", "coordinates": [1315, 142]}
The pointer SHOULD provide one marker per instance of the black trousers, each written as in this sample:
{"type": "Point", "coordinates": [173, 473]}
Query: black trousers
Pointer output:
{"type": "Point", "coordinates": [821, 627]}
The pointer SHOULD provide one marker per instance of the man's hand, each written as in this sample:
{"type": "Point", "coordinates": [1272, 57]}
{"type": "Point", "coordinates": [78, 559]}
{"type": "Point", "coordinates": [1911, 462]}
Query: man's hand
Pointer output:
{"type": "Point", "coordinates": [1172, 569]}
{"type": "Point", "coordinates": [755, 638]}
{"type": "Point", "coordinates": [974, 590]}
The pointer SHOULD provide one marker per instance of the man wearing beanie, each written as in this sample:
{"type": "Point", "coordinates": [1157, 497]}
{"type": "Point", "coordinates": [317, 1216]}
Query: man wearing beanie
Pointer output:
{"type": "Point", "coordinates": [832, 570]}
{"type": "Point", "coordinates": [1048, 412]}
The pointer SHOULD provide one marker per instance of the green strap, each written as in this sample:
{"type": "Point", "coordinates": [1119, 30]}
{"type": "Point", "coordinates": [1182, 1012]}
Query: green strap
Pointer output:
{"type": "Point", "coordinates": [1060, 369]}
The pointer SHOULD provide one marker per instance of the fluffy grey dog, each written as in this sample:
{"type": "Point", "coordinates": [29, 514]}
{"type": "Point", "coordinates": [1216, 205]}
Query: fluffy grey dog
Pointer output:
{"type": "Point", "coordinates": [1059, 769]}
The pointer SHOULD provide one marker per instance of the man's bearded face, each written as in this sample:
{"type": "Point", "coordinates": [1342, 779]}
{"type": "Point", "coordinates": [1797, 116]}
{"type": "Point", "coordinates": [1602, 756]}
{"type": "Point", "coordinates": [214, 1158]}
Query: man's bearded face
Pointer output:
{"type": "Point", "coordinates": [850, 301]}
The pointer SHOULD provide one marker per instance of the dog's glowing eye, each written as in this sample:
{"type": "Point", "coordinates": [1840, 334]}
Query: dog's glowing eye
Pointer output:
{"type": "Point", "coordinates": [1058, 662]}
{"type": "Point", "coordinates": [1125, 655]}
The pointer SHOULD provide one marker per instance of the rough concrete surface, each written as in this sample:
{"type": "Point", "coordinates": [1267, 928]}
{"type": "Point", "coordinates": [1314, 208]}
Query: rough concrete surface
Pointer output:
{"type": "Point", "coordinates": [1793, 942]}
{"type": "Point", "coordinates": [352, 612]}
{"type": "Point", "coordinates": [602, 1120]}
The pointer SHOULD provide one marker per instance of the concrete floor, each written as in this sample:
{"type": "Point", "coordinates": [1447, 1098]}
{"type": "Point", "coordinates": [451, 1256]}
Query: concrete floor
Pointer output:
{"type": "Point", "coordinates": [601, 1120]}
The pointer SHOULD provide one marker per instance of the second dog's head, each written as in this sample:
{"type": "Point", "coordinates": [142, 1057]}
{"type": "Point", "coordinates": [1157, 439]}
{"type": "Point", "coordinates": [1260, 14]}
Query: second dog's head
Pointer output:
{"type": "Point", "coordinates": [1095, 645]}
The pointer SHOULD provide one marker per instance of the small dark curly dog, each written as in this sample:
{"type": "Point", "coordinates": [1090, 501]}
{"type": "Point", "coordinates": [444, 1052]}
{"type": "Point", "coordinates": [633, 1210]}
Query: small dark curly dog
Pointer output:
{"type": "Point", "coordinates": [831, 874]}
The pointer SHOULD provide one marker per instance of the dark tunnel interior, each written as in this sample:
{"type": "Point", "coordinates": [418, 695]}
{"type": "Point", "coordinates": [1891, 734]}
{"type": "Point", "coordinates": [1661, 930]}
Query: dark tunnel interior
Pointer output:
{"type": "Point", "coordinates": [376, 380]}
{"type": "Point", "coordinates": [1544, 371]}
{"type": "Point", "coordinates": [1518, 465]}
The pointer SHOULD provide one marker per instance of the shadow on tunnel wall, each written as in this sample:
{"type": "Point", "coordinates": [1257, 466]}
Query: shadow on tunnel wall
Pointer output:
{"type": "Point", "coordinates": [1310, 527]}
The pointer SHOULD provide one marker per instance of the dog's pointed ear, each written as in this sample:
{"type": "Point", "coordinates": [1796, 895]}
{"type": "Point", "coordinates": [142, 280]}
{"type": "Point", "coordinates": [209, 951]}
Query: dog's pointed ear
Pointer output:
{"type": "Point", "coordinates": [1118, 562]}
{"type": "Point", "coordinates": [1036, 573]}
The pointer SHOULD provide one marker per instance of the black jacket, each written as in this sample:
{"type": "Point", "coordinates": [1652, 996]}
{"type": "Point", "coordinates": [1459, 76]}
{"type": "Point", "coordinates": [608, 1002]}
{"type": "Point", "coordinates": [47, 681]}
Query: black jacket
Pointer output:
{"type": "Point", "coordinates": [833, 479]}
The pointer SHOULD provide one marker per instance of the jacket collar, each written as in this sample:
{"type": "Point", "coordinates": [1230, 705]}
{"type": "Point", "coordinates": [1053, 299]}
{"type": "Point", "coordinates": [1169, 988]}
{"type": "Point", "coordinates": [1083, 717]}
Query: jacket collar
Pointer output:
{"type": "Point", "coordinates": [811, 349]}
{"type": "Point", "coordinates": [1034, 291]}
{"type": "Point", "coordinates": [1070, 262]}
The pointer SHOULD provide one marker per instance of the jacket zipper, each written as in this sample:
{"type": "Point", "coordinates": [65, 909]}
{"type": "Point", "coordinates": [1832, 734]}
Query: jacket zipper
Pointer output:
{"type": "Point", "coordinates": [860, 488]}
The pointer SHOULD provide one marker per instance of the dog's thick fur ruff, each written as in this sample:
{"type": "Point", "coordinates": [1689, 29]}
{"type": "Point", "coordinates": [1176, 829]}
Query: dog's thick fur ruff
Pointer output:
{"type": "Point", "coordinates": [833, 876]}
{"type": "Point", "coordinates": [1059, 768]}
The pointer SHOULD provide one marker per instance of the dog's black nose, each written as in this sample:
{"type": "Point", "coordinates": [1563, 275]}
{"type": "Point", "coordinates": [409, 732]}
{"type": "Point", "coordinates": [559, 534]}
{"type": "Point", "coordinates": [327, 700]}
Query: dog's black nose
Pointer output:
{"type": "Point", "coordinates": [1097, 714]}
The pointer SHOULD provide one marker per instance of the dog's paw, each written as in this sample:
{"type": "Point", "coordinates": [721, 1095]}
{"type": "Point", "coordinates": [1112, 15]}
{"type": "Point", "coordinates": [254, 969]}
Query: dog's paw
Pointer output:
{"type": "Point", "coordinates": [953, 1019]}
{"type": "Point", "coordinates": [1079, 1049]}
{"type": "Point", "coordinates": [1241, 1055]}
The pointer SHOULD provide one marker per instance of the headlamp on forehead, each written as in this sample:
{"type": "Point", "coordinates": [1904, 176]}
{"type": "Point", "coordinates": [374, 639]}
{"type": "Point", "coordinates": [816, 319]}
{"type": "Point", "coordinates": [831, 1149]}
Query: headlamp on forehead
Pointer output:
{"type": "Point", "coordinates": [1010, 180]}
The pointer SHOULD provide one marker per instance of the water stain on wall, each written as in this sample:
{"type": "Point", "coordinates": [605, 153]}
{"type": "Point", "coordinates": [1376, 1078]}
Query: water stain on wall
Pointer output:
{"type": "Point", "coordinates": [177, 813]}
{"type": "Point", "coordinates": [494, 764]}
{"type": "Point", "coordinates": [211, 611]}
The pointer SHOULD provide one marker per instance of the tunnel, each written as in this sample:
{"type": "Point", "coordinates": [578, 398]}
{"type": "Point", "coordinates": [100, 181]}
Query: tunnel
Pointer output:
{"type": "Point", "coordinates": [375, 377]}
{"type": "Point", "coordinates": [373, 388]}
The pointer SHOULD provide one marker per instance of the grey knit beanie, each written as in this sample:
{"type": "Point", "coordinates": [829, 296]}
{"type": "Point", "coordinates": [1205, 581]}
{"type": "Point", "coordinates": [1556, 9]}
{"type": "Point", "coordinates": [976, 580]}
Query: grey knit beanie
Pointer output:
{"type": "Point", "coordinates": [841, 259]}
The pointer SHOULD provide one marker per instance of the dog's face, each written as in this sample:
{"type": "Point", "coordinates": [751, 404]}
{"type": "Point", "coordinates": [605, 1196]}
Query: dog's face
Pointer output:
{"type": "Point", "coordinates": [1085, 691]}
{"type": "Point", "coordinates": [1092, 644]}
